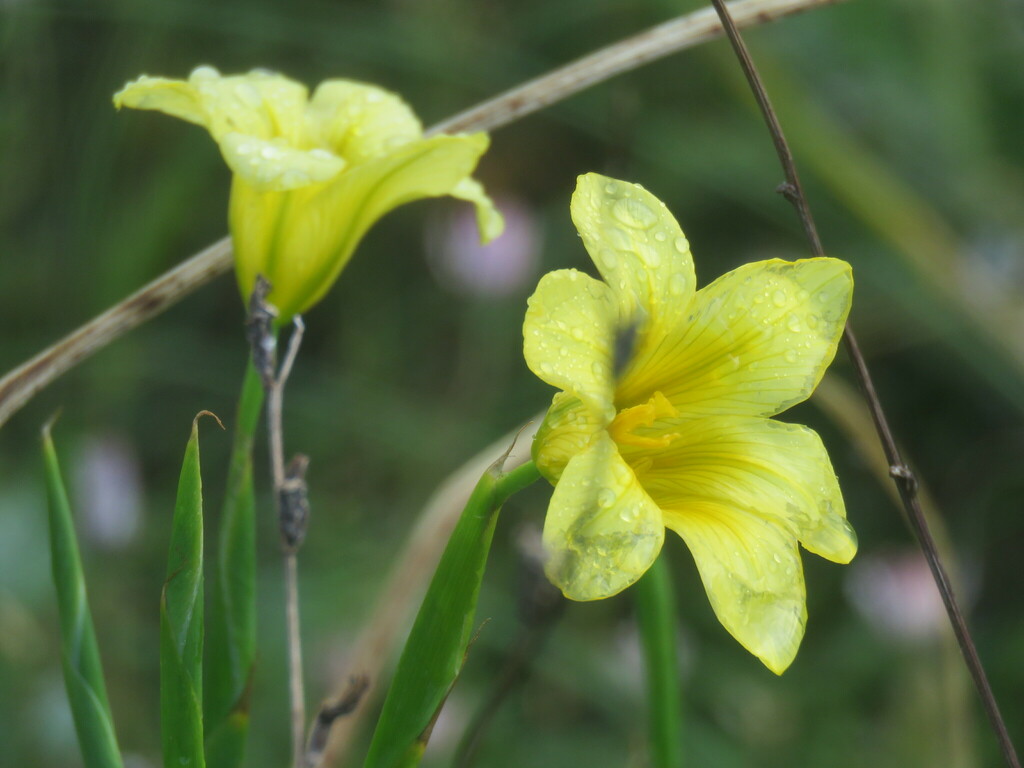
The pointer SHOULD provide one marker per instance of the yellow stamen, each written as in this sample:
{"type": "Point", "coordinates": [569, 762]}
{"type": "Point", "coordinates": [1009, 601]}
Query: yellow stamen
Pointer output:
{"type": "Point", "coordinates": [628, 419]}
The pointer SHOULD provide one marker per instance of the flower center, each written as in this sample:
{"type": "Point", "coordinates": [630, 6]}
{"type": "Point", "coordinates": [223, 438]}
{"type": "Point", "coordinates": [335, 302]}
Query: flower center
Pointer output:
{"type": "Point", "coordinates": [644, 415]}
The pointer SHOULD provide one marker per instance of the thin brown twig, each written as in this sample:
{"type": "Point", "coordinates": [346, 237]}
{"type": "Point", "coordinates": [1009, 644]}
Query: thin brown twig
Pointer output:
{"type": "Point", "coordinates": [902, 475]}
{"type": "Point", "coordinates": [19, 385]}
{"type": "Point", "coordinates": [289, 486]}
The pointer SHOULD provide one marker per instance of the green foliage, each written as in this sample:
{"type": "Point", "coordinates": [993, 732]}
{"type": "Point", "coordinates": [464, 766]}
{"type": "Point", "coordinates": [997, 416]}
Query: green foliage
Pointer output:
{"type": "Point", "coordinates": [181, 621]}
{"type": "Point", "coordinates": [440, 637]}
{"type": "Point", "coordinates": [83, 673]}
{"type": "Point", "coordinates": [656, 610]}
{"type": "Point", "coordinates": [231, 637]}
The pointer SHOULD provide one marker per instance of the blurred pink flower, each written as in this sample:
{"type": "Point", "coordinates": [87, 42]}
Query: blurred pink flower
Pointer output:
{"type": "Point", "coordinates": [896, 594]}
{"type": "Point", "coordinates": [500, 268]}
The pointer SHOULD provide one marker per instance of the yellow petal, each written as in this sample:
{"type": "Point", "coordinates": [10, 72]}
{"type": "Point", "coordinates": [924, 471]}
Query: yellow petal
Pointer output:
{"type": "Point", "coordinates": [360, 122]}
{"type": "Point", "coordinates": [757, 467]}
{"type": "Point", "coordinates": [262, 105]}
{"type": "Point", "coordinates": [602, 531]}
{"type": "Point", "coordinates": [757, 341]}
{"type": "Point", "coordinates": [752, 572]}
{"type": "Point", "coordinates": [301, 239]}
{"type": "Point", "coordinates": [567, 429]}
{"type": "Point", "coordinates": [639, 250]}
{"type": "Point", "coordinates": [568, 335]}
{"type": "Point", "coordinates": [488, 218]}
{"type": "Point", "coordinates": [275, 165]}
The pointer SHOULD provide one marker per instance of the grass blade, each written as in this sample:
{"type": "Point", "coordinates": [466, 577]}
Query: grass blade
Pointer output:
{"type": "Point", "coordinates": [181, 621]}
{"type": "Point", "coordinates": [436, 648]}
{"type": "Point", "coordinates": [83, 673]}
{"type": "Point", "coordinates": [656, 615]}
{"type": "Point", "coordinates": [231, 637]}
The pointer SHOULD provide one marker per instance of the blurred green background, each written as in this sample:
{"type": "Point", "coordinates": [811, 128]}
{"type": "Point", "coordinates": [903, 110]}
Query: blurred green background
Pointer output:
{"type": "Point", "coordinates": [906, 120]}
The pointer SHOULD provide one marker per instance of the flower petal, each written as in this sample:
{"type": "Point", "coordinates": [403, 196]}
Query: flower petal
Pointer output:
{"type": "Point", "coordinates": [752, 572]}
{"type": "Point", "coordinates": [757, 467]}
{"type": "Point", "coordinates": [639, 250]}
{"type": "Point", "coordinates": [301, 239]}
{"type": "Point", "coordinates": [602, 531]}
{"type": "Point", "coordinates": [259, 104]}
{"type": "Point", "coordinates": [488, 218]}
{"type": "Point", "coordinates": [359, 121]}
{"type": "Point", "coordinates": [568, 336]}
{"type": "Point", "coordinates": [757, 341]}
{"type": "Point", "coordinates": [275, 165]}
{"type": "Point", "coordinates": [567, 429]}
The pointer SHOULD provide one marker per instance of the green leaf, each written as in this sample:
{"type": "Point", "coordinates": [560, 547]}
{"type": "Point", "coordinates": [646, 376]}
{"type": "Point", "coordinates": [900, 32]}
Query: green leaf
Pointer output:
{"type": "Point", "coordinates": [231, 638]}
{"type": "Point", "coordinates": [83, 673]}
{"type": "Point", "coordinates": [181, 621]}
{"type": "Point", "coordinates": [656, 614]}
{"type": "Point", "coordinates": [436, 648]}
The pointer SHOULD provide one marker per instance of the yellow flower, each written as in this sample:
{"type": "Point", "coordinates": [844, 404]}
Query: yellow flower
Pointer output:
{"type": "Point", "coordinates": [312, 175]}
{"type": "Point", "coordinates": [663, 418]}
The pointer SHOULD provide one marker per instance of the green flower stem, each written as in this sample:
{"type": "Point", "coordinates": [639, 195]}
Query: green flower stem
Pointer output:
{"type": "Point", "coordinates": [655, 610]}
{"type": "Point", "coordinates": [231, 639]}
{"type": "Point", "coordinates": [83, 673]}
{"type": "Point", "coordinates": [440, 637]}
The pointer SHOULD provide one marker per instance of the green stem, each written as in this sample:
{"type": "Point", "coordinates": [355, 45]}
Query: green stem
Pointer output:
{"type": "Point", "coordinates": [440, 637]}
{"type": "Point", "coordinates": [231, 641]}
{"type": "Point", "coordinates": [655, 609]}
{"type": "Point", "coordinates": [83, 673]}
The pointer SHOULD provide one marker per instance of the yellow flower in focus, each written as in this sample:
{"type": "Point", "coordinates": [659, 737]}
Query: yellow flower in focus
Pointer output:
{"type": "Point", "coordinates": [312, 175]}
{"type": "Point", "coordinates": [663, 420]}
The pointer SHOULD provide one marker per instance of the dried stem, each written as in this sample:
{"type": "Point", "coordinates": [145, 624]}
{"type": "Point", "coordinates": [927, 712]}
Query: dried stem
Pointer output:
{"type": "Point", "coordinates": [22, 383]}
{"type": "Point", "coordinates": [289, 487]}
{"type": "Point", "coordinates": [901, 474]}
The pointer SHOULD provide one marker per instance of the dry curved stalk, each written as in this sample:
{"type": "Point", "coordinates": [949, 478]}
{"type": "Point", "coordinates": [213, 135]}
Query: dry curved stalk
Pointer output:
{"type": "Point", "coordinates": [23, 382]}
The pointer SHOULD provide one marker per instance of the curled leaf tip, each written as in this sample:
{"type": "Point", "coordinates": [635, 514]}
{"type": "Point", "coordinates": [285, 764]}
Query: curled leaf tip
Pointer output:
{"type": "Point", "coordinates": [202, 413]}
{"type": "Point", "coordinates": [48, 424]}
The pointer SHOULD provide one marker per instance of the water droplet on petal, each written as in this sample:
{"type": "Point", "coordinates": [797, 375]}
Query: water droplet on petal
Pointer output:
{"type": "Point", "coordinates": [608, 258]}
{"type": "Point", "coordinates": [633, 213]}
{"type": "Point", "coordinates": [546, 369]}
{"type": "Point", "coordinates": [793, 323]}
{"type": "Point", "coordinates": [677, 284]}
{"type": "Point", "coordinates": [682, 245]}
{"type": "Point", "coordinates": [577, 333]}
{"type": "Point", "coordinates": [790, 356]}
{"type": "Point", "coordinates": [779, 298]}
{"type": "Point", "coordinates": [605, 497]}
{"type": "Point", "coordinates": [660, 236]}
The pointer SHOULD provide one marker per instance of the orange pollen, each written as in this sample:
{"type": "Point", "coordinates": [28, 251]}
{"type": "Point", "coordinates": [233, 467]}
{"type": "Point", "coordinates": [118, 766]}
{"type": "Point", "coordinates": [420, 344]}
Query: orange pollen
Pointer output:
{"type": "Point", "coordinates": [628, 419]}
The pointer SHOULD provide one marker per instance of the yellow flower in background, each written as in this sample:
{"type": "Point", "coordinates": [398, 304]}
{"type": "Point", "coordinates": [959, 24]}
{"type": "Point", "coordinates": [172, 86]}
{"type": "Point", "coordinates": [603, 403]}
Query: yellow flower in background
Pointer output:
{"type": "Point", "coordinates": [312, 175]}
{"type": "Point", "coordinates": [663, 420]}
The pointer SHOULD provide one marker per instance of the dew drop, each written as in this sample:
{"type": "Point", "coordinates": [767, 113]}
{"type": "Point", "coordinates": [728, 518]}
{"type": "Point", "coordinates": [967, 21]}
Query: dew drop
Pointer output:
{"type": "Point", "coordinates": [793, 323]}
{"type": "Point", "coordinates": [790, 356]}
{"type": "Point", "coordinates": [812, 321]}
{"type": "Point", "coordinates": [677, 284]}
{"type": "Point", "coordinates": [779, 298]}
{"type": "Point", "coordinates": [605, 497]}
{"type": "Point", "coordinates": [608, 258]}
{"type": "Point", "coordinates": [546, 369]}
{"type": "Point", "coordinates": [682, 245]}
{"type": "Point", "coordinates": [629, 515]}
{"type": "Point", "coordinates": [577, 333]}
{"type": "Point", "coordinates": [610, 189]}
{"type": "Point", "coordinates": [633, 213]}
{"type": "Point", "coordinates": [660, 236]}
{"type": "Point", "coordinates": [597, 368]}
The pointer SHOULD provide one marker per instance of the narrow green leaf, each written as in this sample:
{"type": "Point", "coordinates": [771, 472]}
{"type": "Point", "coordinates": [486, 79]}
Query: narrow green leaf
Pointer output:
{"type": "Point", "coordinates": [231, 637]}
{"type": "Point", "coordinates": [656, 614]}
{"type": "Point", "coordinates": [83, 673]}
{"type": "Point", "coordinates": [181, 621]}
{"type": "Point", "coordinates": [436, 648]}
